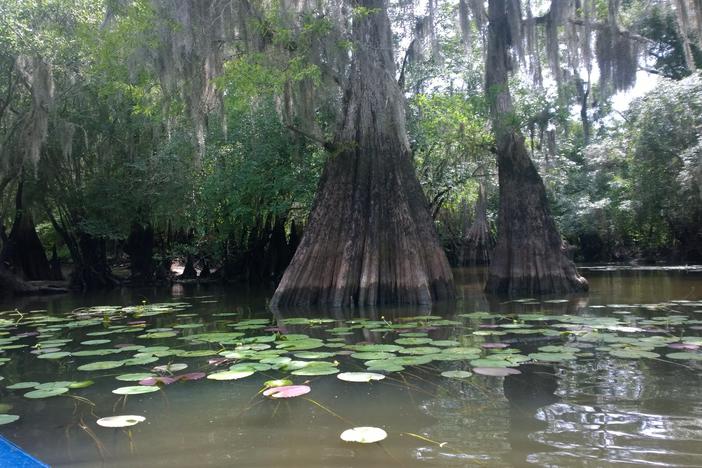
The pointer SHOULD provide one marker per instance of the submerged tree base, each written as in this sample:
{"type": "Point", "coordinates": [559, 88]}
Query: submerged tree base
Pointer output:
{"type": "Point", "coordinates": [529, 257]}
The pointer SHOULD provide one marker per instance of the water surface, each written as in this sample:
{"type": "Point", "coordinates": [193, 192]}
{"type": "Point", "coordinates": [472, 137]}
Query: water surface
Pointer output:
{"type": "Point", "coordinates": [593, 410]}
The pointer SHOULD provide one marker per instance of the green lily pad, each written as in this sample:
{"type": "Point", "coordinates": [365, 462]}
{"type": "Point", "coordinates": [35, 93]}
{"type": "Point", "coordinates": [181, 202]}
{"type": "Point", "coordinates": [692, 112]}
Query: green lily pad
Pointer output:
{"type": "Point", "coordinates": [52, 385]}
{"type": "Point", "coordinates": [22, 385]}
{"type": "Point", "coordinates": [491, 363]}
{"type": "Point", "coordinates": [685, 356]}
{"type": "Point", "coordinates": [316, 370]}
{"type": "Point", "coordinates": [457, 374]}
{"type": "Point", "coordinates": [101, 365]}
{"type": "Point", "coordinates": [135, 377]}
{"type": "Point", "coordinates": [412, 341]}
{"type": "Point", "coordinates": [56, 355]}
{"type": "Point", "coordinates": [551, 357]}
{"type": "Point", "coordinates": [81, 384]}
{"type": "Point", "coordinates": [372, 356]}
{"type": "Point", "coordinates": [8, 418]}
{"type": "Point", "coordinates": [46, 393]}
{"type": "Point", "coordinates": [277, 383]}
{"type": "Point", "coordinates": [633, 353]}
{"type": "Point", "coordinates": [197, 353]}
{"type": "Point", "coordinates": [158, 335]}
{"type": "Point", "coordinates": [94, 342]}
{"type": "Point", "coordinates": [420, 350]}
{"type": "Point", "coordinates": [313, 355]}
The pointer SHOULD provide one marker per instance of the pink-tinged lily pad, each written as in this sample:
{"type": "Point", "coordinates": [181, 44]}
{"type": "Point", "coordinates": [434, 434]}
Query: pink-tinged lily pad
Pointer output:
{"type": "Point", "coordinates": [494, 345]}
{"type": "Point", "coordinates": [688, 346]}
{"type": "Point", "coordinates": [157, 380]}
{"type": "Point", "coordinates": [488, 325]}
{"type": "Point", "coordinates": [496, 371]}
{"type": "Point", "coordinates": [290, 391]}
{"type": "Point", "coordinates": [191, 376]}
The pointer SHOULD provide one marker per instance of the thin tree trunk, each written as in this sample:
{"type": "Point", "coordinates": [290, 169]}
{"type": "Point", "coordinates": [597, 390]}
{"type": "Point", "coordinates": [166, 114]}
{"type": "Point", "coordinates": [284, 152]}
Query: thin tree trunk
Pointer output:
{"type": "Point", "coordinates": [370, 238]}
{"type": "Point", "coordinates": [529, 258]}
{"type": "Point", "coordinates": [479, 241]}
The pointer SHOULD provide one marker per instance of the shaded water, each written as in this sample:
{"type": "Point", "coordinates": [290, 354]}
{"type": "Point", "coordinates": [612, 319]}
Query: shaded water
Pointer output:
{"type": "Point", "coordinates": [596, 410]}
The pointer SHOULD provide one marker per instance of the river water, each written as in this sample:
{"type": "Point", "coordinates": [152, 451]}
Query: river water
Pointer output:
{"type": "Point", "coordinates": [582, 405]}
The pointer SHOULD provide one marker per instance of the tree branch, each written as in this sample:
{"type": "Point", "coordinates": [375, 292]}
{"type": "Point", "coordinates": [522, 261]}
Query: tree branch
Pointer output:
{"type": "Point", "coordinates": [328, 145]}
{"type": "Point", "coordinates": [623, 32]}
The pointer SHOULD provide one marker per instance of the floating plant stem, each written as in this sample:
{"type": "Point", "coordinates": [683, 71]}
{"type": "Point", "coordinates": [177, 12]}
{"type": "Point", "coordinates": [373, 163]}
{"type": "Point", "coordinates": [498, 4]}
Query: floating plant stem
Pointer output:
{"type": "Point", "coordinates": [328, 410]}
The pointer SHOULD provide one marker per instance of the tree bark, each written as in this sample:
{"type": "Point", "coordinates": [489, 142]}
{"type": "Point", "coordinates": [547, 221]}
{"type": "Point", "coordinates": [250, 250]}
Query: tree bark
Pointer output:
{"type": "Point", "coordinates": [370, 238]}
{"type": "Point", "coordinates": [22, 250]}
{"type": "Point", "coordinates": [479, 241]}
{"type": "Point", "coordinates": [140, 248]}
{"type": "Point", "coordinates": [529, 257]}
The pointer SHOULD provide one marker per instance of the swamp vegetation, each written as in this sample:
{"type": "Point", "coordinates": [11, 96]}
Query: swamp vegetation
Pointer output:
{"type": "Point", "coordinates": [367, 146]}
{"type": "Point", "coordinates": [277, 230]}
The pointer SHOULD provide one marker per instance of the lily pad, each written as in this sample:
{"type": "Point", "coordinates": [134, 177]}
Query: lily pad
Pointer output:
{"type": "Point", "coordinates": [8, 418]}
{"type": "Point", "coordinates": [364, 435]}
{"type": "Point", "coordinates": [457, 374]}
{"type": "Point", "coordinates": [175, 367]}
{"type": "Point", "coordinates": [94, 342]}
{"type": "Point", "coordinates": [81, 384]}
{"type": "Point", "coordinates": [277, 383]}
{"type": "Point", "coordinates": [230, 375]}
{"type": "Point", "coordinates": [22, 385]}
{"type": "Point", "coordinates": [120, 421]}
{"type": "Point", "coordinates": [316, 370]}
{"type": "Point", "coordinates": [101, 365]}
{"type": "Point", "coordinates": [46, 393]}
{"type": "Point", "coordinates": [552, 357]}
{"type": "Point", "coordinates": [685, 356]}
{"type": "Point", "coordinates": [496, 371]}
{"type": "Point", "coordinates": [135, 390]}
{"type": "Point", "coordinates": [289, 391]}
{"type": "Point", "coordinates": [135, 377]}
{"type": "Point", "coordinates": [359, 376]}
{"type": "Point", "coordinates": [633, 353]}
{"type": "Point", "coordinates": [56, 355]}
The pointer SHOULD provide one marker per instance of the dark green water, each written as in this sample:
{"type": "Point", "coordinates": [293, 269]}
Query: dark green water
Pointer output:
{"type": "Point", "coordinates": [594, 410]}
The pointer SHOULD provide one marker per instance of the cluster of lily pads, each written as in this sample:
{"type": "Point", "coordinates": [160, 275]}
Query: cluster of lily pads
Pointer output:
{"type": "Point", "coordinates": [227, 347]}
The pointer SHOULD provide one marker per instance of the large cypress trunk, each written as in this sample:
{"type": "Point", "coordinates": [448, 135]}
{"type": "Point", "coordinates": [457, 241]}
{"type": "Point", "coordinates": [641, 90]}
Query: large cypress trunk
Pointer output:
{"type": "Point", "coordinates": [22, 251]}
{"type": "Point", "coordinates": [370, 238]}
{"type": "Point", "coordinates": [529, 257]}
